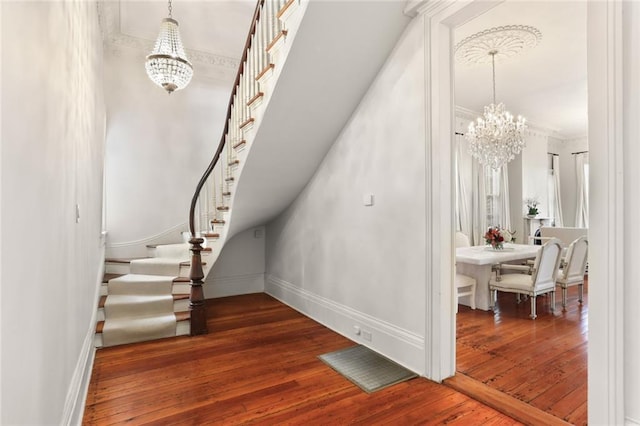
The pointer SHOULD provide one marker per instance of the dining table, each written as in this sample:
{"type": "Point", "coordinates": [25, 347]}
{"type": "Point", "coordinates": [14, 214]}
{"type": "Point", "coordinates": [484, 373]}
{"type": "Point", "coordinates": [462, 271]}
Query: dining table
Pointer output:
{"type": "Point", "coordinates": [477, 262]}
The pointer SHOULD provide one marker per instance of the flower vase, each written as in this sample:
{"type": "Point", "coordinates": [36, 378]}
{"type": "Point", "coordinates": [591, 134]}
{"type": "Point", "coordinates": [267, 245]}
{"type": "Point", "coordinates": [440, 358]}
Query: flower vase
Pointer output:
{"type": "Point", "coordinates": [497, 246]}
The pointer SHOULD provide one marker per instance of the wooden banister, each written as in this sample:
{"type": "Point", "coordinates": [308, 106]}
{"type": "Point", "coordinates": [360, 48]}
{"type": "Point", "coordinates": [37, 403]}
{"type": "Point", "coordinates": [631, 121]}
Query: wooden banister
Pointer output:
{"type": "Point", "coordinates": [196, 298]}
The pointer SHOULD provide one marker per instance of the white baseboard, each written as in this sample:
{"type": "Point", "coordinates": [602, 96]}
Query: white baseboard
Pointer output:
{"type": "Point", "coordinates": [77, 392]}
{"type": "Point", "coordinates": [400, 345]}
{"type": "Point", "coordinates": [234, 286]}
{"type": "Point", "coordinates": [78, 388]}
{"type": "Point", "coordinates": [631, 422]}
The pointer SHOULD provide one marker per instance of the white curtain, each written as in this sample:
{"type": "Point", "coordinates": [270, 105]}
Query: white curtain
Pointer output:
{"type": "Point", "coordinates": [471, 199]}
{"type": "Point", "coordinates": [505, 213]}
{"type": "Point", "coordinates": [463, 219]}
{"type": "Point", "coordinates": [582, 190]}
{"type": "Point", "coordinates": [555, 170]}
{"type": "Point", "coordinates": [478, 203]}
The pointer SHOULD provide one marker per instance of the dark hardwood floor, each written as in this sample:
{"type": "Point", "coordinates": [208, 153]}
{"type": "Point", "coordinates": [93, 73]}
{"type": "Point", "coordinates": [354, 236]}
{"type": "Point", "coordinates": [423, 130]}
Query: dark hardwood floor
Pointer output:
{"type": "Point", "coordinates": [541, 362]}
{"type": "Point", "coordinates": [259, 365]}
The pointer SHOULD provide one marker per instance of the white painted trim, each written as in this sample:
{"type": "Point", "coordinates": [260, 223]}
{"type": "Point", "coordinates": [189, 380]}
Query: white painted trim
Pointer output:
{"type": "Point", "coordinates": [629, 421]}
{"type": "Point", "coordinates": [400, 345]}
{"type": "Point", "coordinates": [77, 392]}
{"type": "Point", "coordinates": [234, 286]}
{"type": "Point", "coordinates": [1, 210]}
{"type": "Point", "coordinates": [606, 317]}
{"type": "Point", "coordinates": [440, 17]}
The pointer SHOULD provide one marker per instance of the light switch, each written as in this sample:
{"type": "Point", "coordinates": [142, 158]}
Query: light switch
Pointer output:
{"type": "Point", "coordinates": [367, 199]}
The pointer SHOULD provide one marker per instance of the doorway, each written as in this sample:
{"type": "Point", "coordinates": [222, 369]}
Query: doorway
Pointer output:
{"type": "Point", "coordinates": [604, 33]}
{"type": "Point", "coordinates": [542, 363]}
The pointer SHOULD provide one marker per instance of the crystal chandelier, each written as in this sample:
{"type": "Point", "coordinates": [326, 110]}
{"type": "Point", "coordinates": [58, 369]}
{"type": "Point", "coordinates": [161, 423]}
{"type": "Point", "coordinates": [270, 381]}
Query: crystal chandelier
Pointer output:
{"type": "Point", "coordinates": [495, 138]}
{"type": "Point", "coordinates": [167, 65]}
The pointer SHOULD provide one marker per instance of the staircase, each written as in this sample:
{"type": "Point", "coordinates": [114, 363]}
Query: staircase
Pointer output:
{"type": "Point", "coordinates": [146, 298]}
{"type": "Point", "coordinates": [161, 295]}
{"type": "Point", "coordinates": [331, 60]}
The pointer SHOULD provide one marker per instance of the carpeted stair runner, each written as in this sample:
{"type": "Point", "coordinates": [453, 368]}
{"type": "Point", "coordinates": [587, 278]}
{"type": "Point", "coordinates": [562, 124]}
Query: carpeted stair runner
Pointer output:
{"type": "Point", "coordinates": [131, 330]}
{"type": "Point", "coordinates": [139, 305]}
{"type": "Point", "coordinates": [157, 266]}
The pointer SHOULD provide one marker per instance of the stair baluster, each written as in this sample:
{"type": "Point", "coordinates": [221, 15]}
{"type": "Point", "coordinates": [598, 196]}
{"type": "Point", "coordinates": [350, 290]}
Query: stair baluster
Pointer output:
{"type": "Point", "coordinates": [255, 62]}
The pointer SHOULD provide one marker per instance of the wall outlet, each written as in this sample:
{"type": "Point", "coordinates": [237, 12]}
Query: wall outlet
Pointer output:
{"type": "Point", "coordinates": [366, 335]}
{"type": "Point", "coordinates": [356, 330]}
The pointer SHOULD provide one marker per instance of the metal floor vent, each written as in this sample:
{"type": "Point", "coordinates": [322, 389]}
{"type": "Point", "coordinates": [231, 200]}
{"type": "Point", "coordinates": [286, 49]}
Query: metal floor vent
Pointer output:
{"type": "Point", "coordinates": [367, 369]}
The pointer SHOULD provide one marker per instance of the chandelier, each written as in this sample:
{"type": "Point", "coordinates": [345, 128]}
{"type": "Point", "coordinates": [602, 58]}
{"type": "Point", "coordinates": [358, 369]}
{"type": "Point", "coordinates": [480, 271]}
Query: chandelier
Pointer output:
{"type": "Point", "coordinates": [167, 65]}
{"type": "Point", "coordinates": [496, 137]}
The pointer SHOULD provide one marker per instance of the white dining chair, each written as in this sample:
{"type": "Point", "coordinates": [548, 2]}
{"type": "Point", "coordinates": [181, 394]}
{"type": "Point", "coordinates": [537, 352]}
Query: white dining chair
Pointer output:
{"type": "Point", "coordinates": [541, 281]}
{"type": "Point", "coordinates": [465, 285]}
{"type": "Point", "coordinates": [573, 269]}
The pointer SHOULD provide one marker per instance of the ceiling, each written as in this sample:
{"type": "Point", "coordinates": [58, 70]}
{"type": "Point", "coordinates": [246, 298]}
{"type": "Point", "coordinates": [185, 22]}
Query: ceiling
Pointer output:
{"type": "Point", "coordinates": [212, 32]}
{"type": "Point", "coordinates": [547, 84]}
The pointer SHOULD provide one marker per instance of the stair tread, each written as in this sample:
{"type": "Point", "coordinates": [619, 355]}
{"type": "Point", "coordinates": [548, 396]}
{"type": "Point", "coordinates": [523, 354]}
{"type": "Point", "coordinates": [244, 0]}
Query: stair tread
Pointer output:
{"type": "Point", "coordinates": [103, 299]}
{"type": "Point", "coordinates": [239, 144]}
{"type": "Point", "coordinates": [123, 259]}
{"type": "Point", "coordinates": [212, 235]}
{"type": "Point", "coordinates": [183, 316]}
{"type": "Point", "coordinates": [218, 221]}
{"type": "Point", "coordinates": [109, 276]}
{"type": "Point", "coordinates": [250, 119]}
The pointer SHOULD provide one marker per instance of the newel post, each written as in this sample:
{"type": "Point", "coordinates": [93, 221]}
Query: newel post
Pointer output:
{"type": "Point", "coordinates": [196, 298]}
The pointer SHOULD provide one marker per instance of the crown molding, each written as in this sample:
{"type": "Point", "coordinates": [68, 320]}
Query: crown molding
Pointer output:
{"type": "Point", "coordinates": [114, 40]}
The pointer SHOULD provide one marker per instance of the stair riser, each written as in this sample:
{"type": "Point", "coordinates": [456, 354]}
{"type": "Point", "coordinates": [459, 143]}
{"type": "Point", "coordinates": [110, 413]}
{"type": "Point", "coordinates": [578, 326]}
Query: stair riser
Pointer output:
{"type": "Point", "coordinates": [123, 268]}
{"type": "Point", "coordinates": [178, 288]}
{"type": "Point", "coordinates": [178, 306]}
{"type": "Point", "coordinates": [183, 328]}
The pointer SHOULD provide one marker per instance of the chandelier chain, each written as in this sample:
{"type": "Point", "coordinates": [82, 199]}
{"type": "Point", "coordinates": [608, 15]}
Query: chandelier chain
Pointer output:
{"type": "Point", "coordinates": [493, 66]}
{"type": "Point", "coordinates": [170, 9]}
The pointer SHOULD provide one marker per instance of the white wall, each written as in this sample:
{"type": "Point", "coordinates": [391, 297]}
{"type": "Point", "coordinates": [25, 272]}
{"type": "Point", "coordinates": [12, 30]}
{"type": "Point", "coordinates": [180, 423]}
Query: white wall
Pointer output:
{"type": "Point", "coordinates": [52, 160]}
{"type": "Point", "coordinates": [347, 264]}
{"type": "Point", "coordinates": [158, 146]}
{"type": "Point", "coordinates": [240, 267]}
{"type": "Point", "coordinates": [631, 178]}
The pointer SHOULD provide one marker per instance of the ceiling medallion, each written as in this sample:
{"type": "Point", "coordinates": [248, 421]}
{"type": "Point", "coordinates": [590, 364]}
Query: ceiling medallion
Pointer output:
{"type": "Point", "coordinates": [506, 41]}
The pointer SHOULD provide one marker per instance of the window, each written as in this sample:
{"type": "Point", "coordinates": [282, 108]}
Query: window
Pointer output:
{"type": "Point", "coordinates": [493, 190]}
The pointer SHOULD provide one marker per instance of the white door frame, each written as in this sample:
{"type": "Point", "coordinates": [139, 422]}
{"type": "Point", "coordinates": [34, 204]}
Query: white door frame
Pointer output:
{"type": "Point", "coordinates": [604, 29]}
{"type": "Point", "coordinates": [606, 208]}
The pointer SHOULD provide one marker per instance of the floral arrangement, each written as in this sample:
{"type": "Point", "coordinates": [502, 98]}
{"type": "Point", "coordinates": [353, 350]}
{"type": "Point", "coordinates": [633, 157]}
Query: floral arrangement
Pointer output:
{"type": "Point", "coordinates": [494, 237]}
{"type": "Point", "coordinates": [532, 206]}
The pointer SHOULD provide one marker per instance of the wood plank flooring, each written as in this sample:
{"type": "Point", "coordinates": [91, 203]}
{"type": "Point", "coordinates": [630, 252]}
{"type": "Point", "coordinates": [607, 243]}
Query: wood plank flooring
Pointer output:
{"type": "Point", "coordinates": [541, 362]}
{"type": "Point", "coordinates": [258, 365]}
